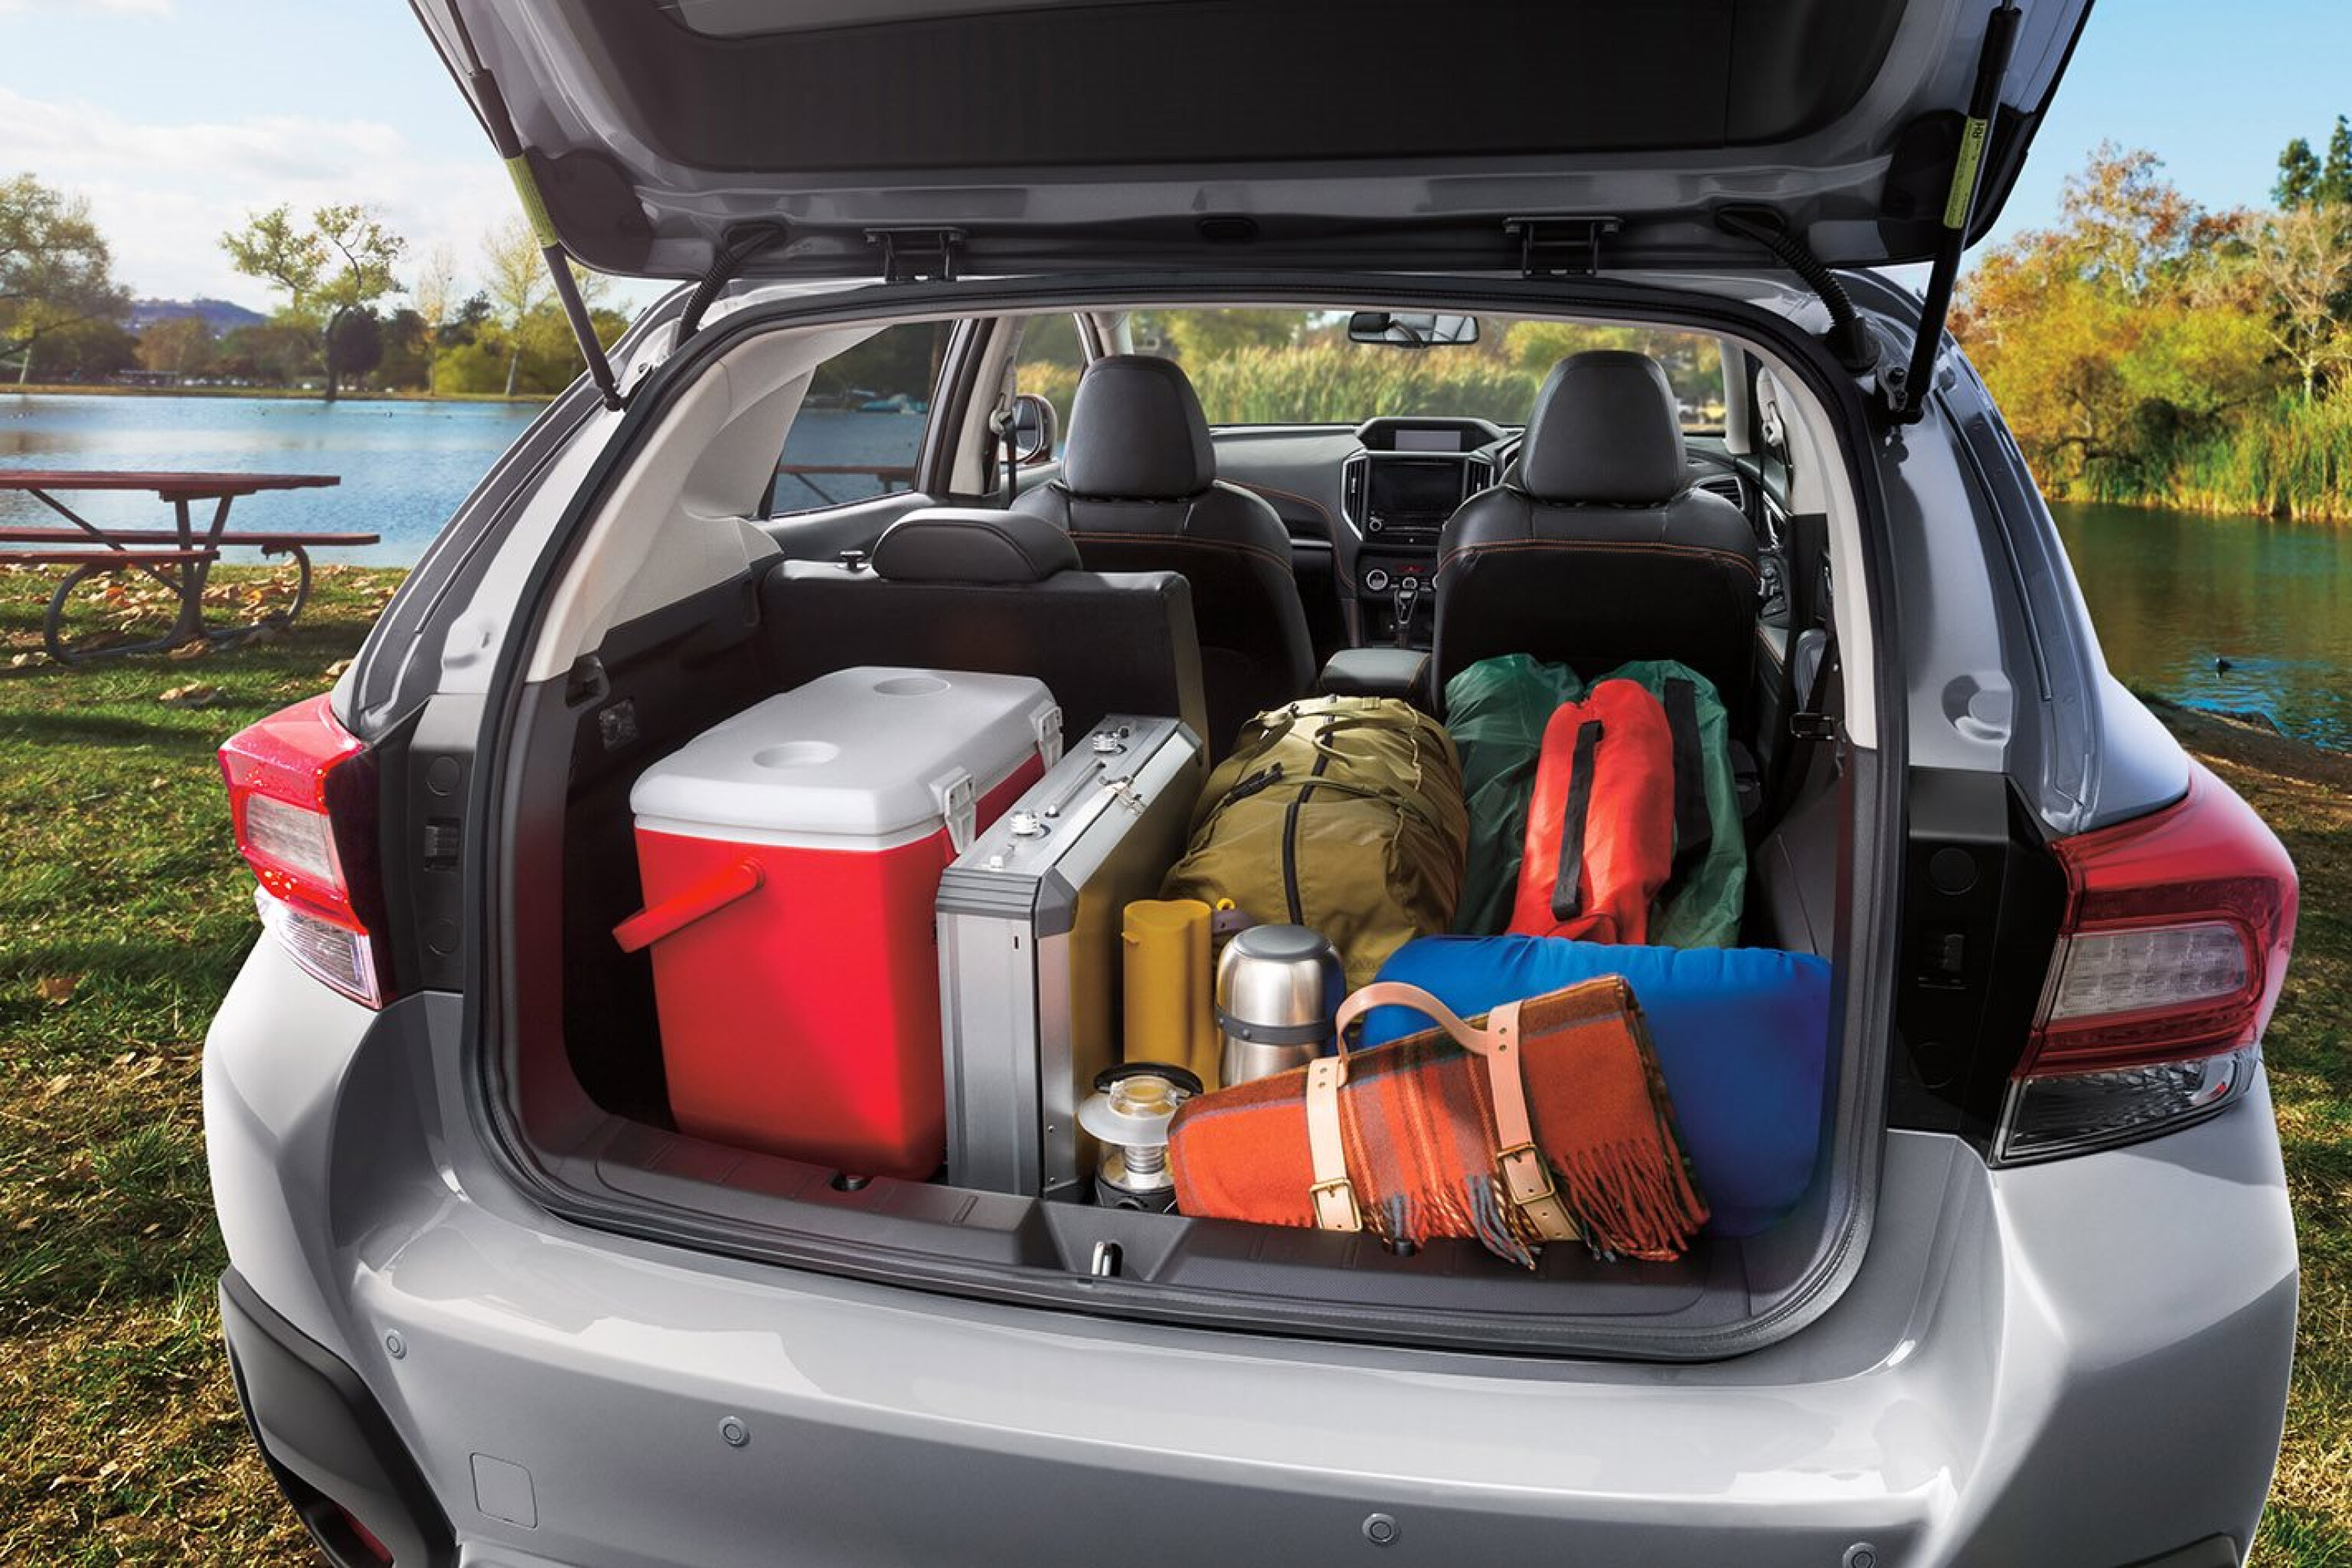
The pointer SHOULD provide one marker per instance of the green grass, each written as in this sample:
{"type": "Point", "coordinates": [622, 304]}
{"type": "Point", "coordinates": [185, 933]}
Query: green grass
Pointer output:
{"type": "Point", "coordinates": [126, 911]}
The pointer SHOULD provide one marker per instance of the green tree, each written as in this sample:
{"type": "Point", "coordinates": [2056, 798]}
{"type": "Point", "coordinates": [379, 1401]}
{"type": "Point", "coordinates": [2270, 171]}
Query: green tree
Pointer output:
{"type": "Point", "coordinates": [2302, 257]}
{"type": "Point", "coordinates": [437, 301]}
{"type": "Point", "coordinates": [2298, 175]}
{"type": "Point", "coordinates": [56, 272]}
{"type": "Point", "coordinates": [337, 266]}
{"type": "Point", "coordinates": [2334, 186]}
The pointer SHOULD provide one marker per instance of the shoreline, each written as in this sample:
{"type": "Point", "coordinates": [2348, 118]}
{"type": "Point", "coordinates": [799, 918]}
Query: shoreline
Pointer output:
{"type": "Point", "coordinates": [2323, 516]}
{"type": "Point", "coordinates": [267, 393]}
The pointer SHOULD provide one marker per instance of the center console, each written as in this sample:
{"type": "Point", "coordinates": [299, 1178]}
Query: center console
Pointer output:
{"type": "Point", "coordinates": [1397, 494]}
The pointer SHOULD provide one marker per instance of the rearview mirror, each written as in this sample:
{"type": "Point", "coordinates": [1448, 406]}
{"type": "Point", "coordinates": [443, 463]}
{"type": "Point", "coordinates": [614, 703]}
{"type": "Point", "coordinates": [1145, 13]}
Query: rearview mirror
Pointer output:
{"type": "Point", "coordinates": [1035, 427]}
{"type": "Point", "coordinates": [1410, 331]}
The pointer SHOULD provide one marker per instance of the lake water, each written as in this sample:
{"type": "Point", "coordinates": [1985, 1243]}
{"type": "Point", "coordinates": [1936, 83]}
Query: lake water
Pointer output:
{"type": "Point", "coordinates": [2170, 591]}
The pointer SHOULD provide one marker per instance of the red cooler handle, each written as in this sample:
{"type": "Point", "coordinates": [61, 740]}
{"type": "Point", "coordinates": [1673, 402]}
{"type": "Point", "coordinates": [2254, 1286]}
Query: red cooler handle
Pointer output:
{"type": "Point", "coordinates": [681, 909]}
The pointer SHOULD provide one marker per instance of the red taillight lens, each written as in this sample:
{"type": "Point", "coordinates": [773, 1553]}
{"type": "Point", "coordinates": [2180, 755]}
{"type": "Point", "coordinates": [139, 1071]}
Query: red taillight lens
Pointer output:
{"type": "Point", "coordinates": [2174, 946]}
{"type": "Point", "coordinates": [301, 801]}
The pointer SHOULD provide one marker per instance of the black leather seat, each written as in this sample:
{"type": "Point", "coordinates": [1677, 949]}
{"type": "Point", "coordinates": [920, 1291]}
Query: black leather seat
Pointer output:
{"type": "Point", "coordinates": [1139, 493]}
{"type": "Point", "coordinates": [1595, 550]}
{"type": "Point", "coordinates": [998, 593]}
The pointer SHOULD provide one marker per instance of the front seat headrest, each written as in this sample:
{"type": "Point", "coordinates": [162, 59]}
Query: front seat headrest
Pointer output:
{"type": "Point", "coordinates": [973, 544]}
{"type": "Point", "coordinates": [1606, 430]}
{"type": "Point", "coordinates": [1136, 433]}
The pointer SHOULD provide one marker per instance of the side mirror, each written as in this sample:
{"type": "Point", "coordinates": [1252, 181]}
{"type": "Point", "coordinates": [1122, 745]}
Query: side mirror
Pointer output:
{"type": "Point", "coordinates": [1403, 330]}
{"type": "Point", "coordinates": [1034, 428]}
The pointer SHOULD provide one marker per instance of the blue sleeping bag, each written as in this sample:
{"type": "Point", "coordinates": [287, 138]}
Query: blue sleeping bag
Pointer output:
{"type": "Point", "coordinates": [1742, 1035]}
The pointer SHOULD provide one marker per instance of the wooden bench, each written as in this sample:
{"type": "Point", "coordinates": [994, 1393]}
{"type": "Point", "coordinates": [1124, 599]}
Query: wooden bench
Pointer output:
{"type": "Point", "coordinates": [181, 557]}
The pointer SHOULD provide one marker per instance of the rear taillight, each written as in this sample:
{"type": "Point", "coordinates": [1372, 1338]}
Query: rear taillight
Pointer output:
{"type": "Point", "coordinates": [2168, 963]}
{"type": "Point", "coordinates": [300, 796]}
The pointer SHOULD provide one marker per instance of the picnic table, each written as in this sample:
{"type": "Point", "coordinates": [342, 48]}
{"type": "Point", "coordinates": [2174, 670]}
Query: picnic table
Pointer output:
{"type": "Point", "coordinates": [179, 557]}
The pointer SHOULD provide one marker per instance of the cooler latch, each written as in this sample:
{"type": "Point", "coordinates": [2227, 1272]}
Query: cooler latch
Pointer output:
{"type": "Point", "coordinates": [958, 799]}
{"type": "Point", "coordinates": [1046, 722]}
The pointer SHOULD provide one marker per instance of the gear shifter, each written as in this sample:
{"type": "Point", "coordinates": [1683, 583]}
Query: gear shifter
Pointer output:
{"type": "Point", "coordinates": [1408, 594]}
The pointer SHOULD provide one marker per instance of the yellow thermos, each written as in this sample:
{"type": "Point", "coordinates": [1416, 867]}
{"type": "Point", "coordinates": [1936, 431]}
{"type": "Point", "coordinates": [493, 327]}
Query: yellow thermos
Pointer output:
{"type": "Point", "coordinates": [1168, 1016]}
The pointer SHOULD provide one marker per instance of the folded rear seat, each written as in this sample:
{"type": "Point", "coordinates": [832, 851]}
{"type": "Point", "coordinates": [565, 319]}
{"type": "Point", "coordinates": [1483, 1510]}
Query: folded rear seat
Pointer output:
{"type": "Point", "coordinates": [1000, 593]}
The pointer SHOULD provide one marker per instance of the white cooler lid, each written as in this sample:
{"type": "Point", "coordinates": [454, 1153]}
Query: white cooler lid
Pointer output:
{"type": "Point", "coordinates": [862, 756]}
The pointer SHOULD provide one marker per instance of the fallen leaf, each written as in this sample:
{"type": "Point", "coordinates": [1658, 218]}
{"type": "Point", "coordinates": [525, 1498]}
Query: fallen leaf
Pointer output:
{"type": "Point", "coordinates": [58, 1084]}
{"type": "Point", "coordinates": [190, 697]}
{"type": "Point", "coordinates": [188, 650]}
{"type": "Point", "coordinates": [56, 989]}
{"type": "Point", "coordinates": [335, 670]}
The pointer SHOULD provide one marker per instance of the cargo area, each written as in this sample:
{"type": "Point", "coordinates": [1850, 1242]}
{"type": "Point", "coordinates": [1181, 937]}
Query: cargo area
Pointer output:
{"type": "Point", "coordinates": [779, 996]}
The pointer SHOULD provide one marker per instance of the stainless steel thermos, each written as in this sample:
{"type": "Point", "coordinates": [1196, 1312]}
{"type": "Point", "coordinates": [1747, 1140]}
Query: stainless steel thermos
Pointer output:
{"type": "Point", "coordinates": [1278, 988]}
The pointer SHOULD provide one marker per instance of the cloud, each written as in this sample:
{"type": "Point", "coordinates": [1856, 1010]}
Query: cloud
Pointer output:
{"type": "Point", "coordinates": [163, 194]}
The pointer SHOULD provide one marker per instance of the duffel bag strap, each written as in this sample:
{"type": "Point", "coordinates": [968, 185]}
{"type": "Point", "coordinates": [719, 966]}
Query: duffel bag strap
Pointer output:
{"type": "Point", "coordinates": [1526, 1173]}
{"type": "Point", "coordinates": [1333, 1195]}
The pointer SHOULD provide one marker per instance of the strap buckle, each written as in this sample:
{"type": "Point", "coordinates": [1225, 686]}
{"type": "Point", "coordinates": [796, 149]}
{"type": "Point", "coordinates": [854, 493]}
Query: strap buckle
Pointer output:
{"type": "Point", "coordinates": [1526, 1179]}
{"type": "Point", "coordinates": [1328, 1217]}
{"type": "Point", "coordinates": [1515, 1164]}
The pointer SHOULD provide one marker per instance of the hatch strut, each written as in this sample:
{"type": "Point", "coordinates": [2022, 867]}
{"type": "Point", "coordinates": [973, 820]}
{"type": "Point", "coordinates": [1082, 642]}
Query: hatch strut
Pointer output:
{"type": "Point", "coordinates": [499, 122]}
{"type": "Point", "coordinates": [1908, 394]}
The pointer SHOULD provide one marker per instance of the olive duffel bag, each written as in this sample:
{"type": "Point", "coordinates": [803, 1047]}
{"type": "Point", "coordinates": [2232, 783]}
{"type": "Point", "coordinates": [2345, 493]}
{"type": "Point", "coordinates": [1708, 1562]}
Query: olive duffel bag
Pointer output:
{"type": "Point", "coordinates": [1343, 814]}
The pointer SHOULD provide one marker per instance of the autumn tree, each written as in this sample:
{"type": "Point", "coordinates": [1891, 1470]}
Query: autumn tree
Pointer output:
{"type": "Point", "coordinates": [56, 272]}
{"type": "Point", "coordinates": [522, 296]}
{"type": "Point", "coordinates": [177, 345]}
{"type": "Point", "coordinates": [2125, 330]}
{"type": "Point", "coordinates": [2302, 258]}
{"type": "Point", "coordinates": [436, 301]}
{"type": "Point", "coordinates": [336, 266]}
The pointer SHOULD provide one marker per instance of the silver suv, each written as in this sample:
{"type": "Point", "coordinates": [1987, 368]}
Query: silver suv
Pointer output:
{"type": "Point", "coordinates": [488, 1305]}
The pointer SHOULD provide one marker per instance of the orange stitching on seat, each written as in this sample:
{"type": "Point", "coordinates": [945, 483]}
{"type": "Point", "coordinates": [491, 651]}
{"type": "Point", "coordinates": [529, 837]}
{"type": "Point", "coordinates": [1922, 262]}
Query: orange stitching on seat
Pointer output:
{"type": "Point", "coordinates": [1620, 547]}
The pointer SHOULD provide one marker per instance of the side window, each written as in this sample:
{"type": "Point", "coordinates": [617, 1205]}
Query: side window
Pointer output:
{"type": "Point", "coordinates": [1049, 361]}
{"type": "Point", "coordinates": [860, 430]}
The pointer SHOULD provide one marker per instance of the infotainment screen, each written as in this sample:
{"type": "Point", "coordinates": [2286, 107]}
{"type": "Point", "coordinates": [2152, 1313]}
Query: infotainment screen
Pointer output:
{"type": "Point", "coordinates": [1428, 440]}
{"type": "Point", "coordinates": [1404, 491]}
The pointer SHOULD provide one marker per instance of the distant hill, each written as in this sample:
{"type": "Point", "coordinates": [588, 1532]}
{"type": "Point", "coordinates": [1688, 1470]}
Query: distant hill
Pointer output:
{"type": "Point", "coordinates": [218, 314]}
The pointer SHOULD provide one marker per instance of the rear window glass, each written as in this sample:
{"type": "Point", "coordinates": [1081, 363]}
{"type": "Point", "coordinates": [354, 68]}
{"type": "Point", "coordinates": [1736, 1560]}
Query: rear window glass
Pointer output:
{"type": "Point", "coordinates": [1299, 367]}
{"type": "Point", "coordinates": [860, 430]}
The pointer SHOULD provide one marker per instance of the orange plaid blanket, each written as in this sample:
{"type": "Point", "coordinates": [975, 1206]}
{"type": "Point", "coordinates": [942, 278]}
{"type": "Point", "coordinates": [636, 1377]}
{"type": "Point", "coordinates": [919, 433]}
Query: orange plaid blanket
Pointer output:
{"type": "Point", "coordinates": [1420, 1132]}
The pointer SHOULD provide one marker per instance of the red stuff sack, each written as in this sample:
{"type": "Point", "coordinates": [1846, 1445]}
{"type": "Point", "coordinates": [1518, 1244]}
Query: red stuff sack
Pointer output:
{"type": "Point", "coordinates": [1600, 827]}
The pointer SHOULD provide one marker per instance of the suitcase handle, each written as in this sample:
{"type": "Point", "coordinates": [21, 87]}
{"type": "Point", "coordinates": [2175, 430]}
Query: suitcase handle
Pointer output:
{"type": "Point", "coordinates": [682, 908]}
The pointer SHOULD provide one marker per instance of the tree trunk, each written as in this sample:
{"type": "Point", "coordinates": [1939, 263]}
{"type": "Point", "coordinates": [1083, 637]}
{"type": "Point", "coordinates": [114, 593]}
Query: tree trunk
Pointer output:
{"type": "Point", "coordinates": [333, 322]}
{"type": "Point", "coordinates": [514, 364]}
{"type": "Point", "coordinates": [24, 366]}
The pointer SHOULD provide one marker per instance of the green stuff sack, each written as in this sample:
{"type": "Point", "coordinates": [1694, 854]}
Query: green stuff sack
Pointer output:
{"type": "Point", "coordinates": [1701, 904]}
{"type": "Point", "coordinates": [1496, 710]}
{"type": "Point", "coordinates": [1343, 814]}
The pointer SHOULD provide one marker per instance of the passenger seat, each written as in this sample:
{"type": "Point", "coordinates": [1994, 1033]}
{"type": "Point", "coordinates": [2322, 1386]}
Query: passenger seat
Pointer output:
{"type": "Point", "coordinates": [1139, 493]}
{"type": "Point", "coordinates": [953, 588]}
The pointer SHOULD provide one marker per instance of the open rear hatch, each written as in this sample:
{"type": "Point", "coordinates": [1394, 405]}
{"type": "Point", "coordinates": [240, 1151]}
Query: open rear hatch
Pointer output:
{"type": "Point", "coordinates": [1053, 136]}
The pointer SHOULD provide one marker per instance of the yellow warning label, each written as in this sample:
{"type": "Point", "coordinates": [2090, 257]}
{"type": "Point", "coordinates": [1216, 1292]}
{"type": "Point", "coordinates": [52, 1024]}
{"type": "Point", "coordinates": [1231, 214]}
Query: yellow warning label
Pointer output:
{"type": "Point", "coordinates": [1964, 173]}
{"type": "Point", "coordinates": [534, 209]}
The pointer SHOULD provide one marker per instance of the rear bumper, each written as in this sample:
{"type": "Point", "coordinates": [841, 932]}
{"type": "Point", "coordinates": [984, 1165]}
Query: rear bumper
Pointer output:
{"type": "Point", "coordinates": [2081, 1364]}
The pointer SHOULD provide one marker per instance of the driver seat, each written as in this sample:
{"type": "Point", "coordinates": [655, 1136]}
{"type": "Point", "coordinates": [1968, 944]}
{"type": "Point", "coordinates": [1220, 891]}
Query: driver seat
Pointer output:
{"type": "Point", "coordinates": [1139, 493]}
{"type": "Point", "coordinates": [1597, 550]}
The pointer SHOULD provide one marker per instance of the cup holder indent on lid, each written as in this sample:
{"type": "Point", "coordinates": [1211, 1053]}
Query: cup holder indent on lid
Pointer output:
{"type": "Point", "coordinates": [910, 685]}
{"type": "Point", "coordinates": [796, 754]}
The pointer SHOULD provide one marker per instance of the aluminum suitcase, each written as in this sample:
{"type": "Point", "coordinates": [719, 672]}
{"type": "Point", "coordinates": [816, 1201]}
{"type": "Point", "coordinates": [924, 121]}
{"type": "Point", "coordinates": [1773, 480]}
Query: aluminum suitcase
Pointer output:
{"type": "Point", "coordinates": [1030, 951]}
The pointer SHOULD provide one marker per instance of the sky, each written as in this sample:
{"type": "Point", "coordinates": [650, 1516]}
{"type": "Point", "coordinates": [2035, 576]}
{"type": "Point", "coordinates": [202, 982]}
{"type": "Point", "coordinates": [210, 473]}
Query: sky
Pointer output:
{"type": "Point", "coordinates": [178, 117]}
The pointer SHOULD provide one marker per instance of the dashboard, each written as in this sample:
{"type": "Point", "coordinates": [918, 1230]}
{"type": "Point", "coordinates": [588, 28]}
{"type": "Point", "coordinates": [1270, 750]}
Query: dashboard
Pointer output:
{"type": "Point", "coordinates": [1366, 506]}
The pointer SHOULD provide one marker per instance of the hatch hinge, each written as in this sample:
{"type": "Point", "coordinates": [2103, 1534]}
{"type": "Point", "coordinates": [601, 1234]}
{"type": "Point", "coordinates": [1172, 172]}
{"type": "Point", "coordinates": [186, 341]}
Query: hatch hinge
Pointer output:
{"type": "Point", "coordinates": [1561, 247]}
{"type": "Point", "coordinates": [915, 255]}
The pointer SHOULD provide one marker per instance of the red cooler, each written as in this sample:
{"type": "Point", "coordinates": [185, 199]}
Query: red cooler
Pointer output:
{"type": "Point", "coordinates": [791, 857]}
